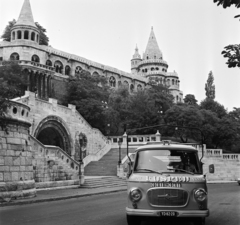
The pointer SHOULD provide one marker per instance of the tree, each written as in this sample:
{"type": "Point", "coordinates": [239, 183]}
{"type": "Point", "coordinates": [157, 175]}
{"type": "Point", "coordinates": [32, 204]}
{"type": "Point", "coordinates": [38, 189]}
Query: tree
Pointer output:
{"type": "Point", "coordinates": [13, 83]}
{"type": "Point", "coordinates": [43, 39]}
{"type": "Point", "coordinates": [209, 87]}
{"type": "Point", "coordinates": [232, 52]}
{"type": "Point", "coordinates": [90, 95]}
{"type": "Point", "coordinates": [190, 100]}
{"type": "Point", "coordinates": [214, 106]}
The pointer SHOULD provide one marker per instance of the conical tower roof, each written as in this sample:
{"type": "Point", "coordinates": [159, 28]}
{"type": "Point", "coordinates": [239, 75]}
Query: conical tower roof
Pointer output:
{"type": "Point", "coordinates": [26, 16]}
{"type": "Point", "coordinates": [136, 54]}
{"type": "Point", "coordinates": [152, 50]}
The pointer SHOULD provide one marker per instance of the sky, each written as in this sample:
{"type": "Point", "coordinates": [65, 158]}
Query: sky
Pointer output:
{"type": "Point", "coordinates": [190, 33]}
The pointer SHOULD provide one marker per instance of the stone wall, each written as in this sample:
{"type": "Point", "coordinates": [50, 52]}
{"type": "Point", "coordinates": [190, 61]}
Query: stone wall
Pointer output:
{"type": "Point", "coordinates": [16, 169]}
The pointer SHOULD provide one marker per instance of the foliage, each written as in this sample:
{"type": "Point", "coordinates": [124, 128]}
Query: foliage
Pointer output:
{"type": "Point", "coordinates": [209, 87]}
{"type": "Point", "coordinates": [227, 3]}
{"type": "Point", "coordinates": [190, 100]}
{"type": "Point", "coordinates": [6, 36]}
{"type": "Point", "coordinates": [43, 39]}
{"type": "Point", "coordinates": [214, 106]}
{"type": "Point", "coordinates": [90, 95]}
{"type": "Point", "coordinates": [12, 84]}
{"type": "Point", "coordinates": [232, 52]}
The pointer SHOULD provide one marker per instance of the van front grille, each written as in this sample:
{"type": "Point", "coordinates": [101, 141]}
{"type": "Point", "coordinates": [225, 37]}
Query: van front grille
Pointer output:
{"type": "Point", "coordinates": [167, 197]}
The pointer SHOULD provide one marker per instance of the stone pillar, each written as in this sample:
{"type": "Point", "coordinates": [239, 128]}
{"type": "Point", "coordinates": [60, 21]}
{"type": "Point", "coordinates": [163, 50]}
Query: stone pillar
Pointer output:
{"type": "Point", "coordinates": [158, 136]}
{"type": "Point", "coordinates": [16, 168]}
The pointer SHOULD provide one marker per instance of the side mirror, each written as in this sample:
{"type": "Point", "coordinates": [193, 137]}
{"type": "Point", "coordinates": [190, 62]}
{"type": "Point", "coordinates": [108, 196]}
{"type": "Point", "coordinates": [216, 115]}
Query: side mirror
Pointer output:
{"type": "Point", "coordinates": [129, 169]}
{"type": "Point", "coordinates": [211, 168]}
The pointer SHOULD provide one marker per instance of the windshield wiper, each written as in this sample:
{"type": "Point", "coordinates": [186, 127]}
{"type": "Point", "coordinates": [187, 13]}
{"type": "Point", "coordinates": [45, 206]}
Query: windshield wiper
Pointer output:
{"type": "Point", "coordinates": [149, 170]}
{"type": "Point", "coordinates": [181, 170]}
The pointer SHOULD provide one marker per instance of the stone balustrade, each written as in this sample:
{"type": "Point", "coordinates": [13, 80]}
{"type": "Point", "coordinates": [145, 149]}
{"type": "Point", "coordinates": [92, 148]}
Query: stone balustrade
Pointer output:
{"type": "Point", "coordinates": [231, 157]}
{"type": "Point", "coordinates": [150, 61]}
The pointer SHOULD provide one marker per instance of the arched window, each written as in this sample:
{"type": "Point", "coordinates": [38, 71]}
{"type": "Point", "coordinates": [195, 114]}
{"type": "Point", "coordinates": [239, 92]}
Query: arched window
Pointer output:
{"type": "Point", "coordinates": [168, 81]}
{"type": "Point", "coordinates": [33, 36]}
{"type": "Point", "coordinates": [172, 82]}
{"type": "Point", "coordinates": [35, 58]}
{"type": "Point", "coordinates": [131, 88]}
{"type": "Point", "coordinates": [95, 74]}
{"type": "Point", "coordinates": [112, 81]}
{"type": "Point", "coordinates": [146, 70]}
{"type": "Point", "coordinates": [37, 37]}
{"type": "Point", "coordinates": [58, 66]}
{"type": "Point", "coordinates": [19, 34]}
{"type": "Point", "coordinates": [13, 35]}
{"type": "Point", "coordinates": [152, 69]}
{"type": "Point", "coordinates": [49, 62]}
{"type": "Point", "coordinates": [78, 70]}
{"type": "Point", "coordinates": [139, 87]}
{"type": "Point", "coordinates": [177, 98]}
{"type": "Point", "coordinates": [156, 68]}
{"type": "Point", "coordinates": [126, 84]}
{"type": "Point", "coordinates": [67, 70]}
{"type": "Point", "coordinates": [14, 56]}
{"type": "Point", "coordinates": [26, 34]}
{"type": "Point", "coordinates": [154, 57]}
{"type": "Point", "coordinates": [147, 57]}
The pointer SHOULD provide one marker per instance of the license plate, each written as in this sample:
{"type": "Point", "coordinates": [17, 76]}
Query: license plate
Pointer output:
{"type": "Point", "coordinates": [162, 184]}
{"type": "Point", "coordinates": [168, 214]}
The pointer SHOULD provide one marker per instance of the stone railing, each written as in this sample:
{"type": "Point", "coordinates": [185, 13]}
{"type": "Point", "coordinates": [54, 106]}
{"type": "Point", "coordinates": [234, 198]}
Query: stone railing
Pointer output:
{"type": "Point", "coordinates": [55, 151]}
{"type": "Point", "coordinates": [50, 151]}
{"type": "Point", "coordinates": [231, 156]}
{"type": "Point", "coordinates": [148, 61]}
{"type": "Point", "coordinates": [29, 63]}
{"type": "Point", "coordinates": [214, 152]}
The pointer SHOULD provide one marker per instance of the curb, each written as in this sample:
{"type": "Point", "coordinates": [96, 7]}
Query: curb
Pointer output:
{"type": "Point", "coordinates": [31, 201]}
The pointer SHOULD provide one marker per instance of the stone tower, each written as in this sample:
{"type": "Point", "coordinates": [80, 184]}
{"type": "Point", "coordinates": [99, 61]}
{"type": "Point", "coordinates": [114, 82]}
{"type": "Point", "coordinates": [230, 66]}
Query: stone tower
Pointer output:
{"type": "Point", "coordinates": [152, 66]}
{"type": "Point", "coordinates": [25, 27]}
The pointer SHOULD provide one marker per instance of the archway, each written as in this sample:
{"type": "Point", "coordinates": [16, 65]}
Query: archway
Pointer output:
{"type": "Point", "coordinates": [53, 131]}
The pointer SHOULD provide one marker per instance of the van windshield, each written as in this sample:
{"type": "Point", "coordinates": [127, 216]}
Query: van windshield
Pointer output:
{"type": "Point", "coordinates": [167, 161]}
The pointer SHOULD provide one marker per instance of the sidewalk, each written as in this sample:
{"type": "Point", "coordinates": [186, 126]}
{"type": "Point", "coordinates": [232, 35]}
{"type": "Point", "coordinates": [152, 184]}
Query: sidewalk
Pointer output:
{"type": "Point", "coordinates": [54, 194]}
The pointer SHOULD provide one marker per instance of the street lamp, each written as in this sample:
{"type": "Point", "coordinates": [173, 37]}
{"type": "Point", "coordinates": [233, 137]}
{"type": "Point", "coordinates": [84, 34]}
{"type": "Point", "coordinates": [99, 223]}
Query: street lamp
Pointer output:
{"type": "Point", "coordinates": [120, 158]}
{"type": "Point", "coordinates": [81, 176]}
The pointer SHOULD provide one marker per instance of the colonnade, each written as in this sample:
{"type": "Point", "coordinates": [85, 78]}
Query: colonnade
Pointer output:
{"type": "Point", "coordinates": [40, 83]}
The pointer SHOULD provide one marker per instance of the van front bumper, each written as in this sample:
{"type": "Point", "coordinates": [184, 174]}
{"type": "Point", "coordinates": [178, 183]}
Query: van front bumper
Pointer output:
{"type": "Point", "coordinates": [181, 213]}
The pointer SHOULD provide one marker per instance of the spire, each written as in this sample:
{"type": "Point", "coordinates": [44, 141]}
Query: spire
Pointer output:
{"type": "Point", "coordinates": [26, 16]}
{"type": "Point", "coordinates": [152, 50]}
{"type": "Point", "coordinates": [136, 54]}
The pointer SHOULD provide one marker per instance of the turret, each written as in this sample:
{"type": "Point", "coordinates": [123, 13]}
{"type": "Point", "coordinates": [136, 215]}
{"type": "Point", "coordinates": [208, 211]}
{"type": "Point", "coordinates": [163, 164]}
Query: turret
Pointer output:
{"type": "Point", "coordinates": [135, 61]}
{"type": "Point", "coordinates": [25, 28]}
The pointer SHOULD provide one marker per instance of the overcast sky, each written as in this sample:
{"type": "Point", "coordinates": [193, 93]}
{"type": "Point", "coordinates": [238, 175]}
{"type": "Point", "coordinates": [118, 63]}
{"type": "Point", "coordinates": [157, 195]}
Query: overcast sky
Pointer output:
{"type": "Point", "coordinates": [191, 35]}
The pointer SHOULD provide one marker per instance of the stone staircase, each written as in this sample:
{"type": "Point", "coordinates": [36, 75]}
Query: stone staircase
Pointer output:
{"type": "Point", "coordinates": [51, 164]}
{"type": "Point", "coordinates": [107, 165]}
{"type": "Point", "coordinates": [97, 182]}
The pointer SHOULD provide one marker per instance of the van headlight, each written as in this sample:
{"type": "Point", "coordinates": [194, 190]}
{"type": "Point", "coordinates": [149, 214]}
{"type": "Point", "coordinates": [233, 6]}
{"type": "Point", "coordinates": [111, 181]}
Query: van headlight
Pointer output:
{"type": "Point", "coordinates": [135, 195]}
{"type": "Point", "coordinates": [200, 194]}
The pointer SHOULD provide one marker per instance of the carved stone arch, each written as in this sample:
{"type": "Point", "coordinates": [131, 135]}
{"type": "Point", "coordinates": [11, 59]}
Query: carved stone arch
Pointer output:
{"type": "Point", "coordinates": [139, 87]}
{"type": "Point", "coordinates": [67, 70]}
{"type": "Point", "coordinates": [14, 56]}
{"type": "Point", "coordinates": [95, 73]}
{"type": "Point", "coordinates": [52, 130]}
{"type": "Point", "coordinates": [35, 58]}
{"type": "Point", "coordinates": [126, 84]}
{"type": "Point", "coordinates": [49, 62]}
{"type": "Point", "coordinates": [78, 70]}
{"type": "Point", "coordinates": [131, 88]}
{"type": "Point", "coordinates": [26, 34]}
{"type": "Point", "coordinates": [112, 81]}
{"type": "Point", "coordinates": [58, 66]}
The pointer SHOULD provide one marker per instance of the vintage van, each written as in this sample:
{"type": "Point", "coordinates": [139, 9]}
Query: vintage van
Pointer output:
{"type": "Point", "coordinates": [167, 180]}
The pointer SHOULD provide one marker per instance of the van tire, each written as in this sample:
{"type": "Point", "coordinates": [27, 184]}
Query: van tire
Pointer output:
{"type": "Point", "coordinates": [199, 221]}
{"type": "Point", "coordinates": [134, 220]}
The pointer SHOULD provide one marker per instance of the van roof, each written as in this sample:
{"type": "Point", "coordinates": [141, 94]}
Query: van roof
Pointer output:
{"type": "Point", "coordinates": [164, 145]}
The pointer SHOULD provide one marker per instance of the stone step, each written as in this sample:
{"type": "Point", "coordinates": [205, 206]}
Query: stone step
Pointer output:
{"type": "Point", "coordinates": [103, 182]}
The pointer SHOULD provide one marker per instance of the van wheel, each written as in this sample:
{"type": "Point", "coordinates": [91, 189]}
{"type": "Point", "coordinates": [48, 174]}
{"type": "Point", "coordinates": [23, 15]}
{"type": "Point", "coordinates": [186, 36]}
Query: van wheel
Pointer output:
{"type": "Point", "coordinates": [199, 221]}
{"type": "Point", "coordinates": [134, 220]}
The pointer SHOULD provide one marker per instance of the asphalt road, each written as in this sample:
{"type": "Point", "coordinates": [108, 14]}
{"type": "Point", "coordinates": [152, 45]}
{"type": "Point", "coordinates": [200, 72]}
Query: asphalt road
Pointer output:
{"type": "Point", "coordinates": [109, 209]}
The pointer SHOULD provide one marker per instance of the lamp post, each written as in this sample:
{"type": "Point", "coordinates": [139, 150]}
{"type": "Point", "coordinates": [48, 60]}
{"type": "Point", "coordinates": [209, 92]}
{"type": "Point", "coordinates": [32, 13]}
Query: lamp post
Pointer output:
{"type": "Point", "coordinates": [81, 176]}
{"type": "Point", "coordinates": [119, 158]}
